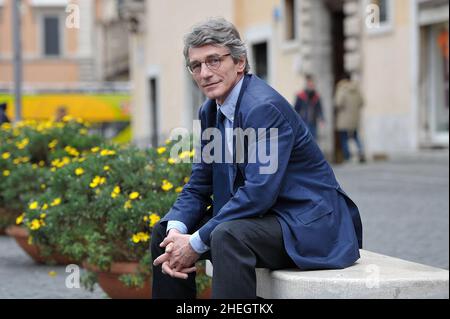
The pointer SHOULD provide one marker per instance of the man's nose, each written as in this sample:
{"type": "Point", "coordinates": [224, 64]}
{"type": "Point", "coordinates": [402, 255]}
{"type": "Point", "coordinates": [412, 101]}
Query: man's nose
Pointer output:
{"type": "Point", "coordinates": [205, 72]}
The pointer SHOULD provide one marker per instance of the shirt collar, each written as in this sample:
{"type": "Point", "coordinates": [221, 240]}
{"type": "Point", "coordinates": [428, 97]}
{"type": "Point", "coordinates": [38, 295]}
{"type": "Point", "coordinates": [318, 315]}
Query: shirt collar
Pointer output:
{"type": "Point", "coordinates": [228, 107]}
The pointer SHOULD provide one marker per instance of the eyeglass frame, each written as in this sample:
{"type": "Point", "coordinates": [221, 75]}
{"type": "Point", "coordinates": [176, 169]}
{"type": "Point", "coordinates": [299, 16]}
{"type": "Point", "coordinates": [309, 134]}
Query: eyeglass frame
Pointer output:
{"type": "Point", "coordinates": [220, 57]}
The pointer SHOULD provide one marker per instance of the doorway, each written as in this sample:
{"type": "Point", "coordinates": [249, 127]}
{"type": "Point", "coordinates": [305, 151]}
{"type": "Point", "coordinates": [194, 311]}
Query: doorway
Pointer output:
{"type": "Point", "coordinates": [337, 47]}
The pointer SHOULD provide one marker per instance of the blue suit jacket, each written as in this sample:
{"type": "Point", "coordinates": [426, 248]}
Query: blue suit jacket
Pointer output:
{"type": "Point", "coordinates": [320, 223]}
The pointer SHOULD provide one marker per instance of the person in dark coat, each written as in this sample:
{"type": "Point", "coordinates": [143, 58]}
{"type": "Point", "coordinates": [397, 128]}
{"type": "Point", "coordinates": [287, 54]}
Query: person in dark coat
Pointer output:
{"type": "Point", "coordinates": [308, 105]}
{"type": "Point", "coordinates": [3, 117]}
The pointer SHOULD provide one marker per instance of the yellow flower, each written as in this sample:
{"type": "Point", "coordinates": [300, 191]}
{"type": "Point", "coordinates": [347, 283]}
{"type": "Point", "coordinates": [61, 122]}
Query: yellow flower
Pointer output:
{"type": "Point", "coordinates": [56, 202]}
{"type": "Point", "coordinates": [128, 205]}
{"type": "Point", "coordinates": [115, 192]}
{"type": "Point", "coordinates": [107, 152]}
{"type": "Point", "coordinates": [43, 215]}
{"type": "Point", "coordinates": [161, 150]}
{"type": "Point", "coordinates": [106, 168]}
{"type": "Point", "coordinates": [6, 155]}
{"type": "Point", "coordinates": [83, 131]}
{"type": "Point", "coordinates": [44, 207]}
{"type": "Point", "coordinates": [97, 181]}
{"type": "Point", "coordinates": [95, 149]}
{"type": "Point", "coordinates": [53, 144]}
{"type": "Point", "coordinates": [43, 186]}
{"type": "Point", "coordinates": [134, 195]}
{"type": "Point", "coordinates": [33, 205]}
{"type": "Point", "coordinates": [184, 154]}
{"type": "Point", "coordinates": [79, 171]}
{"type": "Point", "coordinates": [141, 236]}
{"type": "Point", "coordinates": [6, 173]}
{"type": "Point", "coordinates": [72, 151]}
{"type": "Point", "coordinates": [19, 220]}
{"type": "Point", "coordinates": [168, 141]}
{"type": "Point", "coordinates": [41, 163]}
{"type": "Point", "coordinates": [6, 126]}
{"type": "Point", "coordinates": [186, 179]}
{"type": "Point", "coordinates": [154, 218]}
{"type": "Point", "coordinates": [171, 161]}
{"type": "Point", "coordinates": [178, 189]}
{"type": "Point", "coordinates": [145, 218]}
{"type": "Point", "coordinates": [53, 169]}
{"type": "Point", "coordinates": [22, 144]}
{"type": "Point", "coordinates": [34, 166]}
{"type": "Point", "coordinates": [192, 153]}
{"type": "Point", "coordinates": [35, 224]}
{"type": "Point", "coordinates": [67, 118]}
{"type": "Point", "coordinates": [166, 185]}
{"type": "Point", "coordinates": [135, 239]}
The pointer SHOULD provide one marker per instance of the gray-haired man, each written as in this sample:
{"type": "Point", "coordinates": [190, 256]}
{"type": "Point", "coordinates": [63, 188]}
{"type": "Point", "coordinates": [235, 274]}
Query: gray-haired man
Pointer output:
{"type": "Point", "coordinates": [297, 216]}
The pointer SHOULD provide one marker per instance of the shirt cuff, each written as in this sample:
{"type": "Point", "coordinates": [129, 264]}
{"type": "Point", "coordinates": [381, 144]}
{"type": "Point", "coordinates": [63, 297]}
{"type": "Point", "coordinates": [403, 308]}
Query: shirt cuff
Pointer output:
{"type": "Point", "coordinates": [197, 244]}
{"type": "Point", "coordinates": [181, 227]}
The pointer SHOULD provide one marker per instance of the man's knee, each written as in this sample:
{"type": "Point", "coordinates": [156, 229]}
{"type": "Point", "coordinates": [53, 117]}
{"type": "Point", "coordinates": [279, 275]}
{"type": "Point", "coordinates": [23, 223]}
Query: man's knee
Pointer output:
{"type": "Point", "coordinates": [225, 233]}
{"type": "Point", "coordinates": [158, 233]}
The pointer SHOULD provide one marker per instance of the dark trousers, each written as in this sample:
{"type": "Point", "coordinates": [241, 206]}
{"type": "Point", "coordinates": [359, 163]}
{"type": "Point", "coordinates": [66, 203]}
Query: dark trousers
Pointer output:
{"type": "Point", "coordinates": [237, 248]}
{"type": "Point", "coordinates": [344, 137]}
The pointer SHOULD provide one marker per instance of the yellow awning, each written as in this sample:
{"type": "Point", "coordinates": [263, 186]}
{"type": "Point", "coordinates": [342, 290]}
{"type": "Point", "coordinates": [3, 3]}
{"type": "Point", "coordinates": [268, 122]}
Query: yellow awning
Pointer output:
{"type": "Point", "coordinates": [92, 108]}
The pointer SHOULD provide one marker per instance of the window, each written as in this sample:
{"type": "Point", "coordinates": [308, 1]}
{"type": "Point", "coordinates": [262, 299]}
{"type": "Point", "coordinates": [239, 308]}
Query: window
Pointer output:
{"type": "Point", "coordinates": [382, 5]}
{"type": "Point", "coordinates": [289, 15]}
{"type": "Point", "coordinates": [51, 36]}
{"type": "Point", "coordinates": [260, 60]}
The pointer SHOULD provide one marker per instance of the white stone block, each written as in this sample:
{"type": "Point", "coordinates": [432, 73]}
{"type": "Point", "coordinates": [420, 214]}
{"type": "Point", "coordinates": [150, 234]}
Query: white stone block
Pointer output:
{"type": "Point", "coordinates": [374, 276]}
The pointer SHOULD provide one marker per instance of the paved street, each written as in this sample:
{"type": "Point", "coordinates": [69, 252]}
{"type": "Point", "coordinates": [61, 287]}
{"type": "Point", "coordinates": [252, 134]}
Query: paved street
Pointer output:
{"type": "Point", "coordinates": [404, 205]}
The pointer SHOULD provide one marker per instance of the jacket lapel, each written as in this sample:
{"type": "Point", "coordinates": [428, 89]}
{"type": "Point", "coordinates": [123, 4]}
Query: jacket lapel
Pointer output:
{"type": "Point", "coordinates": [238, 140]}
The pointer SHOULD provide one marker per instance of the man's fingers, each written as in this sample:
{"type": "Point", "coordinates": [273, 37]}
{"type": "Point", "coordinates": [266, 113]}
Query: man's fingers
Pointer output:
{"type": "Point", "coordinates": [161, 259]}
{"type": "Point", "coordinates": [166, 269]}
{"type": "Point", "coordinates": [188, 270]}
{"type": "Point", "coordinates": [169, 247]}
{"type": "Point", "coordinates": [172, 273]}
{"type": "Point", "coordinates": [165, 242]}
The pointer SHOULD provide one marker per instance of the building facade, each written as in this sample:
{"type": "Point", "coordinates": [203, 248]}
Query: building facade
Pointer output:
{"type": "Point", "coordinates": [66, 44]}
{"type": "Point", "coordinates": [397, 50]}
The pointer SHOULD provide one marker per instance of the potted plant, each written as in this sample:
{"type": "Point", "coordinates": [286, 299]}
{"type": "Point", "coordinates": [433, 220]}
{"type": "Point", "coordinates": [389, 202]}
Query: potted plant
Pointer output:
{"type": "Point", "coordinates": [34, 152]}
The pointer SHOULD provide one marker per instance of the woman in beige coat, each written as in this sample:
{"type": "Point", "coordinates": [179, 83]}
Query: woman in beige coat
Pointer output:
{"type": "Point", "coordinates": [349, 102]}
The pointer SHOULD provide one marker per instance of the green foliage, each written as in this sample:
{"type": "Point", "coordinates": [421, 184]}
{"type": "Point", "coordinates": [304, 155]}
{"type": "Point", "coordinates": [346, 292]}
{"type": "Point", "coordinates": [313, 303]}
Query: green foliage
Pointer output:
{"type": "Point", "coordinates": [86, 198]}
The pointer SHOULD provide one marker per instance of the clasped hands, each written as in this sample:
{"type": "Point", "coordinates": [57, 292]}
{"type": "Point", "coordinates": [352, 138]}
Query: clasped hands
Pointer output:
{"type": "Point", "coordinates": [179, 258]}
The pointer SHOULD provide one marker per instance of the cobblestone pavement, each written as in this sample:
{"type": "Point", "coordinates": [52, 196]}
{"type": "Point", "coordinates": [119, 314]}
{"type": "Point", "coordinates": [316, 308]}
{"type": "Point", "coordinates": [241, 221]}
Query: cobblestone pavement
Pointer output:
{"type": "Point", "coordinates": [404, 205]}
{"type": "Point", "coordinates": [20, 277]}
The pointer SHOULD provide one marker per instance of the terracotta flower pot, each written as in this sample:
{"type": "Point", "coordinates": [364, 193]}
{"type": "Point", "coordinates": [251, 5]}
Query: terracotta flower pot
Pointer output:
{"type": "Point", "coordinates": [205, 294]}
{"type": "Point", "coordinates": [116, 289]}
{"type": "Point", "coordinates": [21, 235]}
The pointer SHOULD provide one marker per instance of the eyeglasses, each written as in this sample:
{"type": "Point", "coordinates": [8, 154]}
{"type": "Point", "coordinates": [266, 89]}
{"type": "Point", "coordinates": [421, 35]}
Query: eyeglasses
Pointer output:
{"type": "Point", "coordinates": [212, 62]}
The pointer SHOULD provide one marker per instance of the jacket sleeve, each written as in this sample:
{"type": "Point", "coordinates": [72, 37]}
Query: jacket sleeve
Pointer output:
{"type": "Point", "coordinates": [191, 205]}
{"type": "Point", "coordinates": [260, 190]}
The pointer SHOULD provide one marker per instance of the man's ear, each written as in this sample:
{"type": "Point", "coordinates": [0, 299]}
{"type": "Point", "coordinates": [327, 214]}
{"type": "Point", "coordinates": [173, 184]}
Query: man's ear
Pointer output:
{"type": "Point", "coordinates": [241, 63]}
